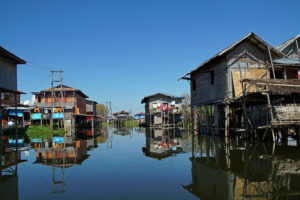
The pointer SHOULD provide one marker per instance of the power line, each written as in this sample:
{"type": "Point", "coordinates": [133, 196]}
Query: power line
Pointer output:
{"type": "Point", "coordinates": [41, 65]}
{"type": "Point", "coordinates": [42, 82]}
{"type": "Point", "coordinates": [35, 67]}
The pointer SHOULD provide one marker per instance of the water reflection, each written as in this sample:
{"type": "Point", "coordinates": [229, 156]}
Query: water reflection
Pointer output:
{"type": "Point", "coordinates": [163, 143]}
{"type": "Point", "coordinates": [60, 153]}
{"type": "Point", "coordinates": [234, 169]}
{"type": "Point", "coordinates": [10, 156]}
{"type": "Point", "coordinates": [123, 130]}
{"type": "Point", "coordinates": [211, 168]}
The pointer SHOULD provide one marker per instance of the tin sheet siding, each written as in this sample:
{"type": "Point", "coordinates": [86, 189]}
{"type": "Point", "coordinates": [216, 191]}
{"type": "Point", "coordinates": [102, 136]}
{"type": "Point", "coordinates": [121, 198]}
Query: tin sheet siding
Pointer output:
{"type": "Point", "coordinates": [8, 75]}
{"type": "Point", "coordinates": [206, 92]}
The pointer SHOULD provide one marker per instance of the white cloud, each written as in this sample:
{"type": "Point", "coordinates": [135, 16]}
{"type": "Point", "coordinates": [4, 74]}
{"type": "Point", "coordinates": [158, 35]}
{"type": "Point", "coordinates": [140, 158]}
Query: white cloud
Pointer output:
{"type": "Point", "coordinates": [26, 102]}
{"type": "Point", "coordinates": [29, 102]}
{"type": "Point", "coordinates": [32, 99]}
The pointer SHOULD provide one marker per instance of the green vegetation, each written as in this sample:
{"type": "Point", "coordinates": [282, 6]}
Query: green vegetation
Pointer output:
{"type": "Point", "coordinates": [43, 132]}
{"type": "Point", "coordinates": [132, 123]}
{"type": "Point", "coordinates": [101, 110]}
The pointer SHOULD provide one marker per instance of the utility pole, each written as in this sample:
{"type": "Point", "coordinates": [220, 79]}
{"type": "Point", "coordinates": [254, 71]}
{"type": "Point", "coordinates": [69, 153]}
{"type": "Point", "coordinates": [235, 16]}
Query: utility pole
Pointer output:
{"type": "Point", "coordinates": [111, 115]}
{"type": "Point", "coordinates": [52, 94]}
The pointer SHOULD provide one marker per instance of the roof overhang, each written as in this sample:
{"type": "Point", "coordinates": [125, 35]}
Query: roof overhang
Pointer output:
{"type": "Point", "coordinates": [160, 94]}
{"type": "Point", "coordinates": [5, 53]}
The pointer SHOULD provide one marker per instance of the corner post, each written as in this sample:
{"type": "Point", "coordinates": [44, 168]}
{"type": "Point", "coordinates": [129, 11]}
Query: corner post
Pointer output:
{"type": "Point", "coordinates": [1, 133]}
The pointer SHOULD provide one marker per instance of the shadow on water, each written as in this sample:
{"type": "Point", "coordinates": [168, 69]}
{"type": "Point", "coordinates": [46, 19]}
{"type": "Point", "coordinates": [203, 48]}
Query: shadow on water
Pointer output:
{"type": "Point", "coordinates": [233, 169]}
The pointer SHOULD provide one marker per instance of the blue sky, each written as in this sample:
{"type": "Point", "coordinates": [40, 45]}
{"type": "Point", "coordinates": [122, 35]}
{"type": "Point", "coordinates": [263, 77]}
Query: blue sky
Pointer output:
{"type": "Point", "coordinates": [121, 51]}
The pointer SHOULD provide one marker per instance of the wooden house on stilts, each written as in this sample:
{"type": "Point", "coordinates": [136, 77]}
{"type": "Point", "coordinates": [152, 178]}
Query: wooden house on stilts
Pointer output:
{"type": "Point", "coordinates": [250, 88]}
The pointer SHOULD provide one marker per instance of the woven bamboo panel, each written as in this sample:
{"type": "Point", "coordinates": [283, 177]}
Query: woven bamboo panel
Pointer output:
{"type": "Point", "coordinates": [252, 73]}
{"type": "Point", "coordinates": [287, 113]}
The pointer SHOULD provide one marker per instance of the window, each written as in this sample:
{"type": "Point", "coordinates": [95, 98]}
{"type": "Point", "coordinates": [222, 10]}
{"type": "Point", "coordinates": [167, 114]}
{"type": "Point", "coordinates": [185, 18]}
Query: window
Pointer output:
{"type": "Point", "coordinates": [212, 77]}
{"type": "Point", "coordinates": [193, 82]}
{"type": "Point", "coordinates": [39, 99]}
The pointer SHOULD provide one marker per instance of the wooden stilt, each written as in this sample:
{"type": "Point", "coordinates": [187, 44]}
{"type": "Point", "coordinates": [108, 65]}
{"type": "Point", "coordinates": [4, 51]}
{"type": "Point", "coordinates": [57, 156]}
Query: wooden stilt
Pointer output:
{"type": "Point", "coordinates": [192, 117]}
{"type": "Point", "coordinates": [227, 120]}
{"type": "Point", "coordinates": [200, 120]}
{"type": "Point", "coordinates": [273, 135]}
{"type": "Point", "coordinates": [265, 134]}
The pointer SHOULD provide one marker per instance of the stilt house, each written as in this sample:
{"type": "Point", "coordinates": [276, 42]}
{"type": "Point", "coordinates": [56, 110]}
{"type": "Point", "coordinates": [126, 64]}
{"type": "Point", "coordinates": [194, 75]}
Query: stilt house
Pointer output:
{"type": "Point", "coordinates": [162, 109]}
{"type": "Point", "coordinates": [249, 87]}
{"type": "Point", "coordinates": [9, 95]}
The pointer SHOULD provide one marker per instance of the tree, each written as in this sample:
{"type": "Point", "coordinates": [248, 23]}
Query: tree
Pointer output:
{"type": "Point", "coordinates": [186, 109]}
{"type": "Point", "coordinates": [101, 110]}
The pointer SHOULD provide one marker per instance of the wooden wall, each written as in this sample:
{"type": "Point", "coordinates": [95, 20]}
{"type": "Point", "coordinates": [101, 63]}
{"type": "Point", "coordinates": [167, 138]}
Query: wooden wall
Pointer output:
{"type": "Point", "coordinates": [8, 74]}
{"type": "Point", "coordinates": [249, 59]}
{"type": "Point", "coordinates": [245, 56]}
{"type": "Point", "coordinates": [205, 91]}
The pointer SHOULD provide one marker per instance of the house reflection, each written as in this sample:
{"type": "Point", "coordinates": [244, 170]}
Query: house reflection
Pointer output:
{"type": "Point", "coordinates": [10, 158]}
{"type": "Point", "coordinates": [122, 130]}
{"type": "Point", "coordinates": [140, 130]}
{"type": "Point", "coordinates": [237, 170]}
{"type": "Point", "coordinates": [103, 136]}
{"type": "Point", "coordinates": [163, 143]}
{"type": "Point", "coordinates": [61, 153]}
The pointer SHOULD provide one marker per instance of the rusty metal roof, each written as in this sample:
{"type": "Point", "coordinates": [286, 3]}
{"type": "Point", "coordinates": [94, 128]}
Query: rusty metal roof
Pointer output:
{"type": "Point", "coordinates": [64, 88]}
{"type": "Point", "coordinates": [122, 112]}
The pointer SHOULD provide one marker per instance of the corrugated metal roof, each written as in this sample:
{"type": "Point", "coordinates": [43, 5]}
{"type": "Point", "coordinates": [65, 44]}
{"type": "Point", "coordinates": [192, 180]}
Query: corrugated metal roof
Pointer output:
{"type": "Point", "coordinates": [287, 43]}
{"type": "Point", "coordinates": [5, 53]}
{"type": "Point", "coordinates": [251, 36]}
{"type": "Point", "coordinates": [160, 94]}
{"type": "Point", "coordinates": [287, 61]}
{"type": "Point", "coordinates": [122, 112]}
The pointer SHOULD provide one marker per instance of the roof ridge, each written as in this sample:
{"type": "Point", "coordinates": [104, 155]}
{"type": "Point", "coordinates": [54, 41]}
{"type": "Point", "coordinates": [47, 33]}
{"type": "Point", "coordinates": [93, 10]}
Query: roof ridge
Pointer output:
{"type": "Point", "coordinates": [230, 47]}
{"type": "Point", "coordinates": [286, 43]}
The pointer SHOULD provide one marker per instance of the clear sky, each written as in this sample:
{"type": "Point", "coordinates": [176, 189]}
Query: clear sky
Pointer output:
{"type": "Point", "coordinates": [123, 50]}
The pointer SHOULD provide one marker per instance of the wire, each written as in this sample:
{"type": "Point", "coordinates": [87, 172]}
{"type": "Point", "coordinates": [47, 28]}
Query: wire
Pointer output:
{"type": "Point", "coordinates": [35, 67]}
{"type": "Point", "coordinates": [40, 65]}
{"type": "Point", "coordinates": [42, 82]}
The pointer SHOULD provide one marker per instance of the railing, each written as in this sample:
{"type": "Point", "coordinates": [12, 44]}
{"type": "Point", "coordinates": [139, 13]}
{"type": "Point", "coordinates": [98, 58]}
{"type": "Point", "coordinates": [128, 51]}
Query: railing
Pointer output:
{"type": "Point", "coordinates": [56, 104]}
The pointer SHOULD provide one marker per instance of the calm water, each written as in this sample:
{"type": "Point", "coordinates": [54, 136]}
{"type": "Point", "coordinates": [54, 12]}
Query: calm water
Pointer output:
{"type": "Point", "coordinates": [149, 164]}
